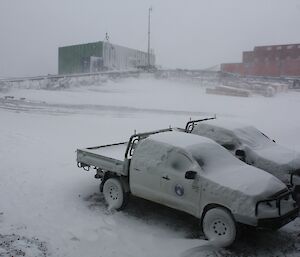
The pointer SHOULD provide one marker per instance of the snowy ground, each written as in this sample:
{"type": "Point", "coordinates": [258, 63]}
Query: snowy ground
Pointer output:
{"type": "Point", "coordinates": [49, 207]}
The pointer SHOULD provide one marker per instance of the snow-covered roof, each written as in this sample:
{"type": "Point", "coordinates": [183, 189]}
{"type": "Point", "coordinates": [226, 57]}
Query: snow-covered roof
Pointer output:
{"type": "Point", "coordinates": [225, 123]}
{"type": "Point", "coordinates": [179, 139]}
{"type": "Point", "coordinates": [245, 133]}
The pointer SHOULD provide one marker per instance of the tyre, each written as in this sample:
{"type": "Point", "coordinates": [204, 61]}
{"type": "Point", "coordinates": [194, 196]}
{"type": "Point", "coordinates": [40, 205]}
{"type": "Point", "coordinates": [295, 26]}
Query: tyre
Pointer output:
{"type": "Point", "coordinates": [219, 226]}
{"type": "Point", "coordinates": [114, 194]}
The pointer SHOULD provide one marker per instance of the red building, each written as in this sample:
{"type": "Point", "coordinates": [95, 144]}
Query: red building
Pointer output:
{"type": "Point", "coordinates": [274, 60]}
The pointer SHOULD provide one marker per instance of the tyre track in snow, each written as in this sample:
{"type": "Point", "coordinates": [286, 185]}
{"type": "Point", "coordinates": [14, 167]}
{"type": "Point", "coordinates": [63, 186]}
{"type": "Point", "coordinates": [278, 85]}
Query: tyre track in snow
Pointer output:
{"type": "Point", "coordinates": [17, 105]}
{"type": "Point", "coordinates": [251, 242]}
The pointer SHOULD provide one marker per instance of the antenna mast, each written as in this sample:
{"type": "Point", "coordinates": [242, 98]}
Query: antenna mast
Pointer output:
{"type": "Point", "coordinates": [150, 10]}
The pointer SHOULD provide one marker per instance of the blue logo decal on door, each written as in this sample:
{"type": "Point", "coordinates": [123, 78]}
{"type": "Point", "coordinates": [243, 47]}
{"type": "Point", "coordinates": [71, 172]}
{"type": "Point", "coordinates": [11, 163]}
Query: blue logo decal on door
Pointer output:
{"type": "Point", "coordinates": [179, 190]}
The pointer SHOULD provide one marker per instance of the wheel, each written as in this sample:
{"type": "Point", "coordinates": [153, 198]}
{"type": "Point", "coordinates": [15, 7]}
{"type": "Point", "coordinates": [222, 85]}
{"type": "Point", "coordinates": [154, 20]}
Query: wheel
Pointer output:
{"type": "Point", "coordinates": [219, 226]}
{"type": "Point", "coordinates": [114, 194]}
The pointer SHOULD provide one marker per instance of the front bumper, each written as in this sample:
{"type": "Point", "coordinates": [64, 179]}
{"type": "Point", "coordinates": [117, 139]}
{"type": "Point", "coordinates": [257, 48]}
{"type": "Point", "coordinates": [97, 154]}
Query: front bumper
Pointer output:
{"type": "Point", "coordinates": [295, 191]}
{"type": "Point", "coordinates": [295, 188]}
{"type": "Point", "coordinates": [278, 222]}
{"type": "Point", "coordinates": [281, 219]}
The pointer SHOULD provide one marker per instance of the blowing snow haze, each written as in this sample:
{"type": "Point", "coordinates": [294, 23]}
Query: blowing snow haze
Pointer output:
{"type": "Point", "coordinates": [184, 34]}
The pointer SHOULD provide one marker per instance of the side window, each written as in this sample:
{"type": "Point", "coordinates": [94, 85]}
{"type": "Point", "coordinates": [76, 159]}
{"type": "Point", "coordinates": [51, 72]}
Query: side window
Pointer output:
{"type": "Point", "coordinates": [179, 162]}
{"type": "Point", "coordinates": [226, 139]}
{"type": "Point", "coordinates": [229, 146]}
{"type": "Point", "coordinates": [146, 148]}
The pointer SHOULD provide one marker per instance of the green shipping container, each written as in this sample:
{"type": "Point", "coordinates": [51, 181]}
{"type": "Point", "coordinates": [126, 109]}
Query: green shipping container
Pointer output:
{"type": "Point", "coordinates": [76, 58]}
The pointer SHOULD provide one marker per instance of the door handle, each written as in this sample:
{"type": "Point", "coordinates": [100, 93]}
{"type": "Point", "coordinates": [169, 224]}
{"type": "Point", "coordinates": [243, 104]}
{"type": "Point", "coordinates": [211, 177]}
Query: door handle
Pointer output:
{"type": "Point", "coordinates": [166, 177]}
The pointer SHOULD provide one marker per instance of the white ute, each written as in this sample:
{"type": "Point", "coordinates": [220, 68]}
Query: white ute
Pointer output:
{"type": "Point", "coordinates": [253, 147]}
{"type": "Point", "coordinates": [191, 174]}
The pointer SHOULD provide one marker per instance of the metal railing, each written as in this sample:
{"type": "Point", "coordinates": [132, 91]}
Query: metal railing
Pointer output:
{"type": "Point", "coordinates": [191, 124]}
{"type": "Point", "coordinates": [276, 198]}
{"type": "Point", "coordinates": [137, 137]}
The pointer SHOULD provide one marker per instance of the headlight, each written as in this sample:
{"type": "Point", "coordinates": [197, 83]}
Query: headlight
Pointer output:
{"type": "Point", "coordinates": [271, 204]}
{"type": "Point", "coordinates": [267, 209]}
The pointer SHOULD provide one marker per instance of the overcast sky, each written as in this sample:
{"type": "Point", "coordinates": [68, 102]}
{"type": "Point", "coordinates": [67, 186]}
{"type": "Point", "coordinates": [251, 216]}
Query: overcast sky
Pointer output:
{"type": "Point", "coordinates": [185, 34]}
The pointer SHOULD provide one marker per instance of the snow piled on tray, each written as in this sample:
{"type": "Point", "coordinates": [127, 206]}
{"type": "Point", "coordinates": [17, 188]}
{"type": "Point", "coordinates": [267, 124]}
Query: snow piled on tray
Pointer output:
{"type": "Point", "coordinates": [46, 199]}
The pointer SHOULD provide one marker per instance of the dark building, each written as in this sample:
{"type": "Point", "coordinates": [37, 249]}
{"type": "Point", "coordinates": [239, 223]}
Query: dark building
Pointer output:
{"type": "Point", "coordinates": [273, 60]}
{"type": "Point", "coordinates": [99, 56]}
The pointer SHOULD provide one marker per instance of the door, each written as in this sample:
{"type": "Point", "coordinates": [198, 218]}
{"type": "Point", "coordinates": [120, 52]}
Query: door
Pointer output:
{"type": "Point", "coordinates": [145, 176]}
{"type": "Point", "coordinates": [179, 192]}
{"type": "Point", "coordinates": [85, 64]}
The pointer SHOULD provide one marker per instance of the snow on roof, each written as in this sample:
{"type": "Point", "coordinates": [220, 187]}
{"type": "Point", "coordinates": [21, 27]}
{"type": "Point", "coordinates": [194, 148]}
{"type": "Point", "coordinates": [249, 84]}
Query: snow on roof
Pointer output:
{"type": "Point", "coordinates": [180, 139]}
{"type": "Point", "coordinates": [227, 132]}
{"type": "Point", "coordinates": [225, 123]}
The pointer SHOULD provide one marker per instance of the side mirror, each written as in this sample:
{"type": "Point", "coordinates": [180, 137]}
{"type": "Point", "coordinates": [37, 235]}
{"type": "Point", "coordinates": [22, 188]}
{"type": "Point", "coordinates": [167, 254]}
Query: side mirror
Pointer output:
{"type": "Point", "coordinates": [240, 154]}
{"type": "Point", "coordinates": [190, 174]}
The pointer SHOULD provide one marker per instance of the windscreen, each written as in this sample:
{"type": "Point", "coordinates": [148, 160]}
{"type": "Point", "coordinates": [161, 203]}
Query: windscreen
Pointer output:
{"type": "Point", "coordinates": [252, 137]}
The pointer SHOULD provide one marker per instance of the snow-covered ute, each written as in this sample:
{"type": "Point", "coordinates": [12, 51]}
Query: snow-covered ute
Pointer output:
{"type": "Point", "coordinates": [193, 174]}
{"type": "Point", "coordinates": [255, 148]}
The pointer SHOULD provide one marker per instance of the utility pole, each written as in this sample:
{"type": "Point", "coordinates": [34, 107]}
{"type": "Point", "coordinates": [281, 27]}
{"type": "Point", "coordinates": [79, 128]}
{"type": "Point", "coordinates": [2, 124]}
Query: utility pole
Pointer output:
{"type": "Point", "coordinates": [150, 10]}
